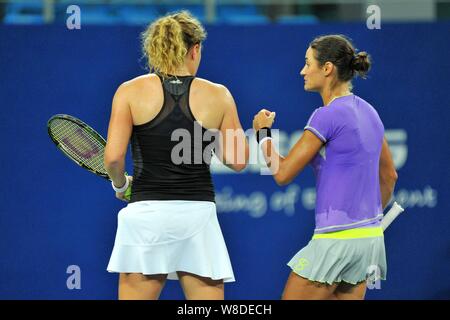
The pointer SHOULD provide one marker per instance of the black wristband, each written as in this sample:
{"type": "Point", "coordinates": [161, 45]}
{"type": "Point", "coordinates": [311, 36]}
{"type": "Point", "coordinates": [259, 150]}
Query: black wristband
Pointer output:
{"type": "Point", "coordinates": [263, 133]}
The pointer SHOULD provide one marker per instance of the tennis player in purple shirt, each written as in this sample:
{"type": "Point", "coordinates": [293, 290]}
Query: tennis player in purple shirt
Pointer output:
{"type": "Point", "coordinates": [355, 177]}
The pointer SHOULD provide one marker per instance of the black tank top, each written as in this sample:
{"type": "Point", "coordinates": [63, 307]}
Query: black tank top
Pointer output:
{"type": "Point", "coordinates": [155, 175]}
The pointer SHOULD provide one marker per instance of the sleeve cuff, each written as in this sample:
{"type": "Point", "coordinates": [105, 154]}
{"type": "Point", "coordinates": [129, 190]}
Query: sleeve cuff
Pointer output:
{"type": "Point", "coordinates": [316, 133]}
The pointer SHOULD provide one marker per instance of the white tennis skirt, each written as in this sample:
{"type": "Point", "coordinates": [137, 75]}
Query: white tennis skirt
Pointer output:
{"type": "Point", "coordinates": [163, 237]}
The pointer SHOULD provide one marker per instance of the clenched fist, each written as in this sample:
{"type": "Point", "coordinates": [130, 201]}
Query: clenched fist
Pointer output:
{"type": "Point", "coordinates": [263, 119]}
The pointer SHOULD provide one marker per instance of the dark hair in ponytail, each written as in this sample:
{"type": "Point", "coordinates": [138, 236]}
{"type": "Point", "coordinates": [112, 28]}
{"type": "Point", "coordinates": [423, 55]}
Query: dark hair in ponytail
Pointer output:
{"type": "Point", "coordinates": [339, 50]}
{"type": "Point", "coordinates": [361, 64]}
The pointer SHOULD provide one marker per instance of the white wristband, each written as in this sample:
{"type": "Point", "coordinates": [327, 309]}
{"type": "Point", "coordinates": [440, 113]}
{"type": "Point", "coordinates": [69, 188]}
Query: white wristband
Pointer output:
{"type": "Point", "coordinates": [264, 139]}
{"type": "Point", "coordinates": [123, 188]}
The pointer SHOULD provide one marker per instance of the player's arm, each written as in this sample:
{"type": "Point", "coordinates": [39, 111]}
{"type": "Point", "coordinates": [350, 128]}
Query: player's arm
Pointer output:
{"type": "Point", "coordinates": [388, 174]}
{"type": "Point", "coordinates": [284, 170]}
{"type": "Point", "coordinates": [232, 148]}
{"type": "Point", "coordinates": [119, 132]}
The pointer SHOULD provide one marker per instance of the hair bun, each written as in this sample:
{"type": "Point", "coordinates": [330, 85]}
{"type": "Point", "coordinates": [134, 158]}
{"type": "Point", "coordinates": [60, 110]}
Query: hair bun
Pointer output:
{"type": "Point", "coordinates": [361, 63]}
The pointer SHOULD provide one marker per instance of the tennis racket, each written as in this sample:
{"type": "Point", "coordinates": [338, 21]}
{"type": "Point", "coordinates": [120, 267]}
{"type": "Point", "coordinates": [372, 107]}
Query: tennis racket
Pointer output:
{"type": "Point", "coordinates": [80, 143]}
{"type": "Point", "coordinates": [390, 216]}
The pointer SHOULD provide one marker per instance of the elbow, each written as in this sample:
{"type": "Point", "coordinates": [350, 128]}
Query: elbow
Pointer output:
{"type": "Point", "coordinates": [113, 158]}
{"type": "Point", "coordinates": [395, 176]}
{"type": "Point", "coordinates": [239, 167]}
{"type": "Point", "coordinates": [283, 175]}
{"type": "Point", "coordinates": [240, 163]}
{"type": "Point", "coordinates": [392, 177]}
{"type": "Point", "coordinates": [281, 179]}
{"type": "Point", "coordinates": [389, 179]}
{"type": "Point", "coordinates": [282, 182]}
{"type": "Point", "coordinates": [113, 162]}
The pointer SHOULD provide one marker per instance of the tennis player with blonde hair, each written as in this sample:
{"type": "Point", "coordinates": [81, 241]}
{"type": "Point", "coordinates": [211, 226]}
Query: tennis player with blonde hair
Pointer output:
{"type": "Point", "coordinates": [169, 229]}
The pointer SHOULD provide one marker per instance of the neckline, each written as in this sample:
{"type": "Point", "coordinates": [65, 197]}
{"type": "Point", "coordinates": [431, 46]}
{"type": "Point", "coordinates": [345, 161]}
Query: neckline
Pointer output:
{"type": "Point", "coordinates": [335, 98]}
{"type": "Point", "coordinates": [175, 76]}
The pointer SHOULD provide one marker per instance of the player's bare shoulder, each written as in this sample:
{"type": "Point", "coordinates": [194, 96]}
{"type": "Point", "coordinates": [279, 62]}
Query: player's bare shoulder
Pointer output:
{"type": "Point", "coordinates": [215, 93]}
{"type": "Point", "coordinates": [142, 82]}
{"type": "Point", "coordinates": [211, 86]}
{"type": "Point", "coordinates": [140, 88]}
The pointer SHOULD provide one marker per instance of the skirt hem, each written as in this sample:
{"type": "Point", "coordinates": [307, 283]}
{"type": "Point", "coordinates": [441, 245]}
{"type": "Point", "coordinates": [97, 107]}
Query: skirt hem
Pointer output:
{"type": "Point", "coordinates": [172, 275]}
{"type": "Point", "coordinates": [337, 281]}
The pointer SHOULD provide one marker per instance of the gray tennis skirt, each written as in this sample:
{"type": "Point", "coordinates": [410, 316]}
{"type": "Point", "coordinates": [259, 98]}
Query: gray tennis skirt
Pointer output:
{"type": "Point", "coordinates": [350, 256]}
{"type": "Point", "coordinates": [163, 237]}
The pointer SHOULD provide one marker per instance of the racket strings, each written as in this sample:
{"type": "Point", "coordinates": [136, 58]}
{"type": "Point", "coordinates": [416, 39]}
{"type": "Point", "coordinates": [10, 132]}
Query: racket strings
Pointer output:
{"type": "Point", "coordinates": [79, 143]}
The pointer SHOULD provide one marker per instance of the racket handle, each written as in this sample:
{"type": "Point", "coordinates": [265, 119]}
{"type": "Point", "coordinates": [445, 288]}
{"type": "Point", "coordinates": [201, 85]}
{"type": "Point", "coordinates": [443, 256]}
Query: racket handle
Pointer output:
{"type": "Point", "coordinates": [393, 213]}
{"type": "Point", "coordinates": [128, 193]}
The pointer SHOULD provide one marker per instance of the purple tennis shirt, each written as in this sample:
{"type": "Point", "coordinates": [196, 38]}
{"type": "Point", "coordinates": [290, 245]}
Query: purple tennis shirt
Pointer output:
{"type": "Point", "coordinates": [347, 166]}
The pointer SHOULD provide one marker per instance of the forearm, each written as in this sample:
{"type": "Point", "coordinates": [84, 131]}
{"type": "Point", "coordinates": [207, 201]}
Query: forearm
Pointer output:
{"type": "Point", "coordinates": [284, 169]}
{"type": "Point", "coordinates": [234, 153]}
{"type": "Point", "coordinates": [388, 174]}
{"type": "Point", "coordinates": [386, 188]}
{"type": "Point", "coordinates": [274, 161]}
{"type": "Point", "coordinates": [116, 172]}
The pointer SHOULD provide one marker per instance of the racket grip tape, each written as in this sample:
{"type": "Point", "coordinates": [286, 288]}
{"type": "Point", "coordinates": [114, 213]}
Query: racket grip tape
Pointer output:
{"type": "Point", "coordinates": [390, 216]}
{"type": "Point", "coordinates": [128, 193]}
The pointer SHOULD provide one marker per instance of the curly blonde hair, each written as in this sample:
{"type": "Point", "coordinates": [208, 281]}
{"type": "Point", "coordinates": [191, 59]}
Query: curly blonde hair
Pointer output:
{"type": "Point", "coordinates": [167, 40]}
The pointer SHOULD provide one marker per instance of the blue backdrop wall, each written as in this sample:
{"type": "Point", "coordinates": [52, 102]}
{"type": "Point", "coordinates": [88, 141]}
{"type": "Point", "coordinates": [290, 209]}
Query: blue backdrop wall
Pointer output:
{"type": "Point", "coordinates": [54, 214]}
